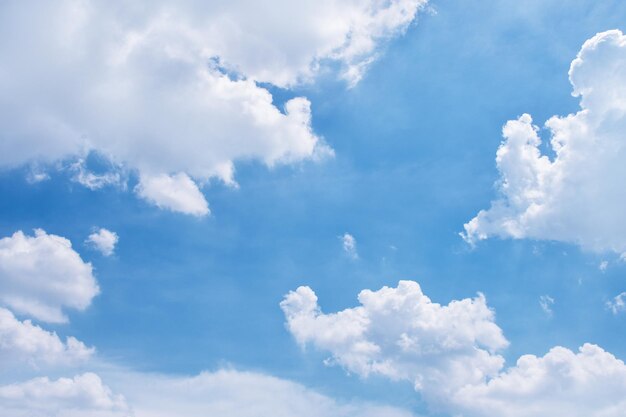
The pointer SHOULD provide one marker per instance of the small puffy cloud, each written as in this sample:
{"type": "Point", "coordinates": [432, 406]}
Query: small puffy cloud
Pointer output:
{"type": "Point", "coordinates": [176, 193]}
{"type": "Point", "coordinates": [603, 266]}
{"type": "Point", "coordinates": [618, 304]}
{"type": "Point", "coordinates": [82, 395]}
{"type": "Point", "coordinates": [41, 274]}
{"type": "Point", "coordinates": [401, 334]}
{"type": "Point", "coordinates": [23, 343]}
{"type": "Point", "coordinates": [103, 240]}
{"type": "Point", "coordinates": [234, 394]}
{"type": "Point", "coordinates": [577, 196]}
{"type": "Point", "coordinates": [167, 89]}
{"type": "Point", "coordinates": [590, 383]}
{"type": "Point", "coordinates": [349, 245]}
{"type": "Point", "coordinates": [546, 302]}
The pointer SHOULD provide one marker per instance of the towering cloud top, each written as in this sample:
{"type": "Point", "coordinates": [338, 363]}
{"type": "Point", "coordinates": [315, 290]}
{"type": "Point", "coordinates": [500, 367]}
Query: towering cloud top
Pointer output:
{"type": "Point", "coordinates": [579, 195]}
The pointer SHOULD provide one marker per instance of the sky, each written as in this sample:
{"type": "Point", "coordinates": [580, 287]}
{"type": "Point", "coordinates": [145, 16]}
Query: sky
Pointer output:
{"type": "Point", "coordinates": [381, 208]}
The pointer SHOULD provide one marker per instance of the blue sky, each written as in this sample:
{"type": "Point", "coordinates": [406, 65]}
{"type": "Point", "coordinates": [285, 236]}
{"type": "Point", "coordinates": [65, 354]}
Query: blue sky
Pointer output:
{"type": "Point", "coordinates": [414, 143]}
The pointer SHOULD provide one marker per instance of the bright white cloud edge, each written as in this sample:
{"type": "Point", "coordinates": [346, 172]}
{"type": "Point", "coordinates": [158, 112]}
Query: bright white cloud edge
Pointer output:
{"type": "Point", "coordinates": [167, 90]}
{"type": "Point", "coordinates": [104, 241]}
{"type": "Point", "coordinates": [450, 354]}
{"type": "Point", "coordinates": [577, 196]}
{"type": "Point", "coordinates": [42, 275]}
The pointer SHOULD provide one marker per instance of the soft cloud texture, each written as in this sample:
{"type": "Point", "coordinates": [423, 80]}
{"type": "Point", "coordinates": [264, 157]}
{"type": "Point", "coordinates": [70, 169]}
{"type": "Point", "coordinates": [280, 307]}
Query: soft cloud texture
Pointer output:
{"type": "Point", "coordinates": [349, 245]}
{"type": "Point", "coordinates": [103, 240]}
{"type": "Point", "coordinates": [82, 395]}
{"type": "Point", "coordinates": [590, 383]}
{"type": "Point", "coordinates": [176, 192]}
{"type": "Point", "coordinates": [170, 90]}
{"type": "Point", "coordinates": [235, 394]}
{"type": "Point", "coordinates": [618, 303]}
{"type": "Point", "coordinates": [578, 196]}
{"type": "Point", "coordinates": [546, 302]}
{"type": "Point", "coordinates": [41, 274]}
{"type": "Point", "coordinates": [23, 343]}
{"type": "Point", "coordinates": [401, 334]}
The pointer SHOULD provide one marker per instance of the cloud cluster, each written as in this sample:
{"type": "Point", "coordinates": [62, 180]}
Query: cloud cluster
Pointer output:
{"type": "Point", "coordinates": [590, 383]}
{"type": "Point", "coordinates": [401, 334]}
{"type": "Point", "coordinates": [577, 196]}
{"type": "Point", "coordinates": [450, 354]}
{"type": "Point", "coordinates": [173, 91]}
{"type": "Point", "coordinates": [41, 274]}
{"type": "Point", "coordinates": [45, 274]}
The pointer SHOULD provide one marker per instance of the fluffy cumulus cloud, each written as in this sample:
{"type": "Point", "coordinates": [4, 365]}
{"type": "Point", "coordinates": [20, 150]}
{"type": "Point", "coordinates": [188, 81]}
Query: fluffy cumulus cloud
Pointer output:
{"type": "Point", "coordinates": [590, 383]}
{"type": "Point", "coordinates": [25, 344]}
{"type": "Point", "coordinates": [401, 334]}
{"type": "Point", "coordinates": [175, 91]}
{"type": "Point", "coordinates": [448, 353]}
{"type": "Point", "coordinates": [82, 395]}
{"type": "Point", "coordinates": [577, 196]}
{"type": "Point", "coordinates": [41, 274]}
{"type": "Point", "coordinates": [103, 240]}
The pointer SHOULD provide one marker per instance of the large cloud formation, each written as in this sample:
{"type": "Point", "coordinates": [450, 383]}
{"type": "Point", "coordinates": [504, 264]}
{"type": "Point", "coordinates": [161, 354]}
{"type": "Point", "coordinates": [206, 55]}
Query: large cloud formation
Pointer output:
{"type": "Point", "coordinates": [401, 334]}
{"type": "Point", "coordinates": [174, 91]}
{"type": "Point", "coordinates": [41, 274]}
{"type": "Point", "coordinates": [450, 354]}
{"type": "Point", "coordinates": [578, 196]}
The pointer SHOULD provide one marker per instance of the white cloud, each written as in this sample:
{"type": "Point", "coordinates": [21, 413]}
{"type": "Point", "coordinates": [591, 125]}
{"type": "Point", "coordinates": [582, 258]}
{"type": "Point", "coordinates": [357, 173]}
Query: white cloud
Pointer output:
{"type": "Point", "coordinates": [82, 395]}
{"type": "Point", "coordinates": [235, 394]}
{"type": "Point", "coordinates": [618, 304]}
{"type": "Point", "coordinates": [168, 90]}
{"type": "Point", "coordinates": [104, 240]}
{"type": "Point", "coordinates": [603, 266]}
{"type": "Point", "coordinates": [448, 352]}
{"type": "Point", "coordinates": [546, 302]}
{"type": "Point", "coordinates": [224, 392]}
{"type": "Point", "coordinates": [401, 334]}
{"type": "Point", "coordinates": [23, 343]}
{"type": "Point", "coordinates": [578, 196]}
{"type": "Point", "coordinates": [42, 274]}
{"type": "Point", "coordinates": [590, 383]}
{"type": "Point", "coordinates": [349, 245]}
{"type": "Point", "coordinates": [176, 192]}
